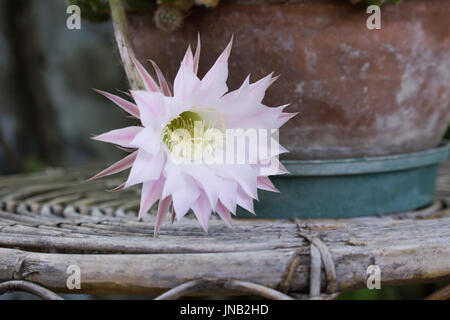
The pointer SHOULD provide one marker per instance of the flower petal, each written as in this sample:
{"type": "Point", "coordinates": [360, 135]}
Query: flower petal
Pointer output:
{"type": "Point", "coordinates": [146, 167]}
{"type": "Point", "coordinates": [118, 188]}
{"type": "Point", "coordinates": [174, 179]}
{"type": "Point", "coordinates": [163, 209]}
{"type": "Point", "coordinates": [228, 194]}
{"type": "Point", "coordinates": [283, 118]}
{"type": "Point", "coordinates": [214, 82]}
{"type": "Point", "coordinates": [202, 210]}
{"type": "Point", "coordinates": [270, 167]}
{"type": "Point", "coordinates": [129, 150]}
{"type": "Point", "coordinates": [186, 85]}
{"type": "Point", "coordinates": [183, 199]}
{"type": "Point", "coordinates": [162, 80]}
{"type": "Point", "coordinates": [128, 106]}
{"type": "Point", "coordinates": [119, 166]}
{"type": "Point", "coordinates": [197, 54]}
{"type": "Point", "coordinates": [243, 174]}
{"type": "Point", "coordinates": [245, 201]}
{"type": "Point", "coordinates": [224, 213]}
{"type": "Point", "coordinates": [258, 88]}
{"type": "Point", "coordinates": [151, 192]}
{"type": "Point", "coordinates": [149, 83]}
{"type": "Point", "coordinates": [207, 179]}
{"type": "Point", "coordinates": [264, 183]}
{"type": "Point", "coordinates": [122, 137]}
{"type": "Point", "coordinates": [149, 140]}
{"type": "Point", "coordinates": [267, 150]}
{"type": "Point", "coordinates": [188, 60]}
{"type": "Point", "coordinates": [151, 106]}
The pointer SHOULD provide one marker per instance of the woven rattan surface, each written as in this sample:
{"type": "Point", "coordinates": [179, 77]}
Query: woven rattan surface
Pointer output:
{"type": "Point", "coordinates": [53, 220]}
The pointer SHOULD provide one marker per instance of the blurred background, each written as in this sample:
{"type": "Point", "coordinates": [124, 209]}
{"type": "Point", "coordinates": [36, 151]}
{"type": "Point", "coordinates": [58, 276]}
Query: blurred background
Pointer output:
{"type": "Point", "coordinates": [47, 72]}
{"type": "Point", "coordinates": [48, 109]}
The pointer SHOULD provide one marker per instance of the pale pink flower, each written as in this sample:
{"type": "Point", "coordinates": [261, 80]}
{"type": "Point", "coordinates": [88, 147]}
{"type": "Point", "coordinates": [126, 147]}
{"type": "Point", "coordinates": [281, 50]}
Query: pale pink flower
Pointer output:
{"type": "Point", "coordinates": [202, 187]}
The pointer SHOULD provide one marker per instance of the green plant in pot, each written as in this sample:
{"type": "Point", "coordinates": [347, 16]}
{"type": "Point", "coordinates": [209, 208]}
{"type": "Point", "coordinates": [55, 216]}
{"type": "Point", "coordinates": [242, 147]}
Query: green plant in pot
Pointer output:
{"type": "Point", "coordinates": [373, 103]}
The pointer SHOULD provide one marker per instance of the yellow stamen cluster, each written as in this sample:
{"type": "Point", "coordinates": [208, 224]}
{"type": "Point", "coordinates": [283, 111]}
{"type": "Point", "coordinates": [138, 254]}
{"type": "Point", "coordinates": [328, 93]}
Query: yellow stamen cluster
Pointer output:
{"type": "Point", "coordinates": [188, 136]}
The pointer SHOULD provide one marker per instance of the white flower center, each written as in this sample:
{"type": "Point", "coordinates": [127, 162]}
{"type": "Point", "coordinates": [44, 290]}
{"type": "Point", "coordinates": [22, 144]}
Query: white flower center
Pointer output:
{"type": "Point", "coordinates": [191, 137]}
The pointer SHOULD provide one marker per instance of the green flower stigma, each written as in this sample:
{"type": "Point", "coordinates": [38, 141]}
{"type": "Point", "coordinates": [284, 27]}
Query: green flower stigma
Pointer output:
{"type": "Point", "coordinates": [184, 123]}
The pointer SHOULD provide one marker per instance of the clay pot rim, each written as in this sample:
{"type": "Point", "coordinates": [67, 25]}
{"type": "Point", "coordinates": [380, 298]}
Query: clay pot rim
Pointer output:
{"type": "Point", "coordinates": [366, 165]}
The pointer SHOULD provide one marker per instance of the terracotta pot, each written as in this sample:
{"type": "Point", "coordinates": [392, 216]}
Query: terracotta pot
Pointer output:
{"type": "Point", "coordinates": [359, 92]}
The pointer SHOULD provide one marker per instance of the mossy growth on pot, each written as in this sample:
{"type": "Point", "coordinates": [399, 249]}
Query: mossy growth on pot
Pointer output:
{"type": "Point", "coordinates": [92, 10]}
{"type": "Point", "coordinates": [376, 2]}
{"type": "Point", "coordinates": [169, 14]}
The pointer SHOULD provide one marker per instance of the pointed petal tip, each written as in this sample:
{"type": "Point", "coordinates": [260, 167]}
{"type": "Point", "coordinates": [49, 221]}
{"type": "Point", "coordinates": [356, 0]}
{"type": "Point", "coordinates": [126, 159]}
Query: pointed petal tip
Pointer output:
{"type": "Point", "coordinates": [204, 224]}
{"type": "Point", "coordinates": [285, 117]}
{"type": "Point", "coordinates": [92, 178]}
{"type": "Point", "coordinates": [197, 50]}
{"type": "Point", "coordinates": [274, 189]}
{"type": "Point", "coordinates": [126, 105]}
{"type": "Point", "coordinates": [123, 92]}
{"type": "Point", "coordinates": [118, 188]}
{"type": "Point", "coordinates": [117, 167]}
{"type": "Point", "coordinates": [163, 209]}
{"type": "Point", "coordinates": [188, 56]}
{"type": "Point", "coordinates": [228, 223]}
{"type": "Point", "coordinates": [197, 54]}
{"type": "Point", "coordinates": [274, 79]}
{"type": "Point", "coordinates": [291, 115]}
{"type": "Point", "coordinates": [99, 91]}
{"type": "Point", "coordinates": [148, 80]}
{"type": "Point", "coordinates": [226, 53]}
{"type": "Point", "coordinates": [161, 79]}
{"type": "Point", "coordinates": [230, 44]}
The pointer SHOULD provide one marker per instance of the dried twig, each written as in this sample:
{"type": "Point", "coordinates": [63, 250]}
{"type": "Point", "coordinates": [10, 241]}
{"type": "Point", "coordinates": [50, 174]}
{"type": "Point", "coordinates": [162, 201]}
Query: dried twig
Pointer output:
{"type": "Point", "coordinates": [30, 287]}
{"type": "Point", "coordinates": [218, 285]}
{"type": "Point", "coordinates": [442, 294]}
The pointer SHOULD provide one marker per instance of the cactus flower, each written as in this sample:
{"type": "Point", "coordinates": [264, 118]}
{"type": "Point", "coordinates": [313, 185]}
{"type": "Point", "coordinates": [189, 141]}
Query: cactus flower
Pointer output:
{"type": "Point", "coordinates": [163, 150]}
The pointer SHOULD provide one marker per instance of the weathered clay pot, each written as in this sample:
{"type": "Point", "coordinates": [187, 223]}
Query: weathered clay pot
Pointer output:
{"type": "Point", "coordinates": [359, 92]}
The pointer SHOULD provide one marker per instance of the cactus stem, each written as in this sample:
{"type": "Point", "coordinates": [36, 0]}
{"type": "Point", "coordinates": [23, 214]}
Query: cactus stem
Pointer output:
{"type": "Point", "coordinates": [124, 44]}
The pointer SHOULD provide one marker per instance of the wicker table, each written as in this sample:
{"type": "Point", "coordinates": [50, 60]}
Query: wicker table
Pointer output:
{"type": "Point", "coordinates": [52, 221]}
